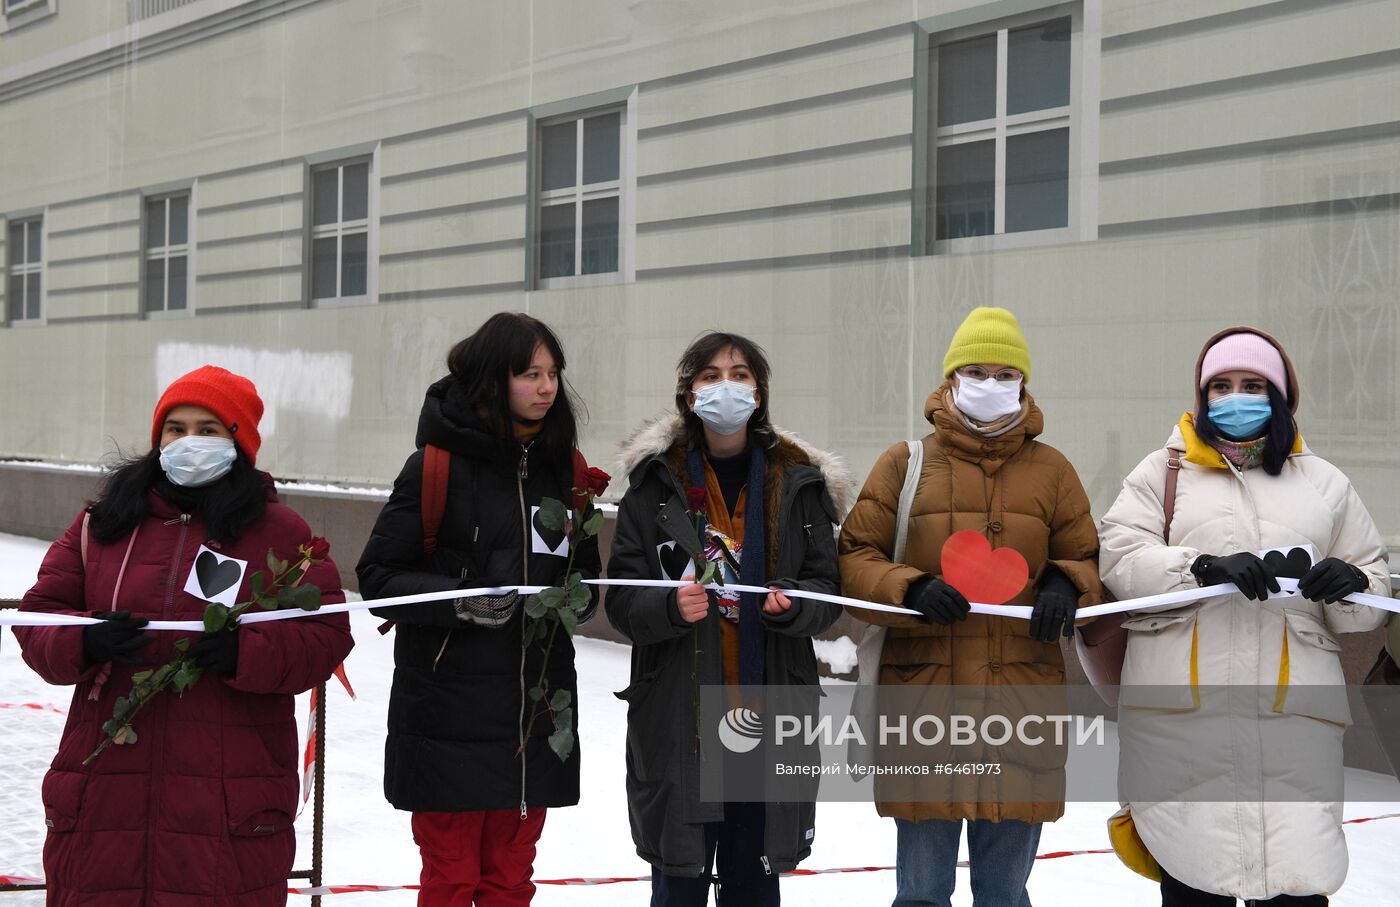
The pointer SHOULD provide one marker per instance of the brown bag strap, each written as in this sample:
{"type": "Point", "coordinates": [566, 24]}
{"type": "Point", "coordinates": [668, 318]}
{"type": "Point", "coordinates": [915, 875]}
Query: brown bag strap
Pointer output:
{"type": "Point", "coordinates": [1169, 498]}
{"type": "Point", "coordinates": [437, 462]}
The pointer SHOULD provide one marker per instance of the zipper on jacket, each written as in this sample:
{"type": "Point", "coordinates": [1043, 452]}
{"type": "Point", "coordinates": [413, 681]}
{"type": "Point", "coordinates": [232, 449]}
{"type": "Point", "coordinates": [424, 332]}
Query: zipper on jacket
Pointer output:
{"type": "Point", "coordinates": [767, 868]}
{"type": "Point", "coordinates": [158, 719]}
{"type": "Point", "coordinates": [521, 475]}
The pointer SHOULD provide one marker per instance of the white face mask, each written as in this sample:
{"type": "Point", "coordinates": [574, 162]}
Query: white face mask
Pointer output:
{"type": "Point", "coordinates": [987, 400]}
{"type": "Point", "coordinates": [197, 460]}
{"type": "Point", "coordinates": [725, 406]}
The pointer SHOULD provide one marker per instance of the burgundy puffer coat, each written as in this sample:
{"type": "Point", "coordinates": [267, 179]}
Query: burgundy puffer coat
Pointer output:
{"type": "Point", "coordinates": [198, 812]}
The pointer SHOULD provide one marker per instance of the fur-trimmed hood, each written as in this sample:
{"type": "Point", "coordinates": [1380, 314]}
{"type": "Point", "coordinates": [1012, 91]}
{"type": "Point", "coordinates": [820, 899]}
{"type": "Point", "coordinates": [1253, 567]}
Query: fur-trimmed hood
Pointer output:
{"type": "Point", "coordinates": [658, 437]}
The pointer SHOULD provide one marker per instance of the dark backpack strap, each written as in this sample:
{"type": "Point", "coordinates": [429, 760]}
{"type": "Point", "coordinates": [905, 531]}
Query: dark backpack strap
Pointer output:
{"type": "Point", "coordinates": [1169, 498]}
{"type": "Point", "coordinates": [437, 463]}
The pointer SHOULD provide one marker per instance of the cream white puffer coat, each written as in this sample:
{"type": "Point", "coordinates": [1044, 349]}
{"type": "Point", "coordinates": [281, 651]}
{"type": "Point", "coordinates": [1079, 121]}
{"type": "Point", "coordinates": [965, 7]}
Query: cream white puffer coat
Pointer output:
{"type": "Point", "coordinates": [1273, 744]}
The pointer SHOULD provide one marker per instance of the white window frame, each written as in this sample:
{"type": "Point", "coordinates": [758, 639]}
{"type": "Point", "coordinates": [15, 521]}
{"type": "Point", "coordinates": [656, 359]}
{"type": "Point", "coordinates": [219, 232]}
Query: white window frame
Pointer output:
{"type": "Point", "coordinates": [24, 12]}
{"type": "Point", "coordinates": [368, 225]}
{"type": "Point", "coordinates": [624, 188]}
{"type": "Point", "coordinates": [1080, 117]}
{"type": "Point", "coordinates": [166, 252]}
{"type": "Point", "coordinates": [37, 268]}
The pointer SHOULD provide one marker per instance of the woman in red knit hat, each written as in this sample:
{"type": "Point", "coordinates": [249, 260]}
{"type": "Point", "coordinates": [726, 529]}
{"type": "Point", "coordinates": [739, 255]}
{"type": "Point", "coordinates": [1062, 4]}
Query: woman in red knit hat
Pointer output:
{"type": "Point", "coordinates": [198, 810]}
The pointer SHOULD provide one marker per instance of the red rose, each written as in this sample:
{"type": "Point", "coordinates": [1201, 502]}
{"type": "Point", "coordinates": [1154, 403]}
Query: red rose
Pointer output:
{"type": "Point", "coordinates": [695, 499]}
{"type": "Point", "coordinates": [595, 481]}
{"type": "Point", "coordinates": [317, 549]}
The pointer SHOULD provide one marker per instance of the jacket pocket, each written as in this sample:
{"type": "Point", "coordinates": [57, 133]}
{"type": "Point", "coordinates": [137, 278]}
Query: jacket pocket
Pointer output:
{"type": "Point", "coordinates": [258, 807]}
{"type": "Point", "coordinates": [648, 737]}
{"type": "Point", "coordinates": [916, 659]}
{"type": "Point", "coordinates": [1160, 666]}
{"type": "Point", "coordinates": [1310, 678]}
{"type": "Point", "coordinates": [62, 794]}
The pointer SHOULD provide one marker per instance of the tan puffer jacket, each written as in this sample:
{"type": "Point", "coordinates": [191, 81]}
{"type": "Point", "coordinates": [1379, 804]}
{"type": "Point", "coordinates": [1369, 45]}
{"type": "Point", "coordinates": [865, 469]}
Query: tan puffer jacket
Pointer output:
{"type": "Point", "coordinates": [1021, 494]}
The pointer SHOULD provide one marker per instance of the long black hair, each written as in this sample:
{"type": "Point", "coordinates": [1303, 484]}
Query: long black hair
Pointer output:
{"type": "Point", "coordinates": [1280, 434]}
{"type": "Point", "coordinates": [227, 506]}
{"type": "Point", "coordinates": [697, 357]}
{"type": "Point", "coordinates": [484, 362]}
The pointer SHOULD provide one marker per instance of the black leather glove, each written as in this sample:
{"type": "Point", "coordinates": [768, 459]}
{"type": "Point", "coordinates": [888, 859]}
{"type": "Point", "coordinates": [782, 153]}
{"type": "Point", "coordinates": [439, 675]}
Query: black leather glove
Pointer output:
{"type": "Point", "coordinates": [1332, 579]}
{"type": "Point", "coordinates": [115, 639]}
{"type": "Point", "coordinates": [1056, 602]}
{"type": "Point", "coordinates": [1250, 574]}
{"type": "Point", "coordinates": [936, 601]}
{"type": "Point", "coordinates": [217, 653]}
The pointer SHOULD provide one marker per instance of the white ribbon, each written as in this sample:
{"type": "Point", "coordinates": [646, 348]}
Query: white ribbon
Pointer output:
{"type": "Point", "coordinates": [1288, 589]}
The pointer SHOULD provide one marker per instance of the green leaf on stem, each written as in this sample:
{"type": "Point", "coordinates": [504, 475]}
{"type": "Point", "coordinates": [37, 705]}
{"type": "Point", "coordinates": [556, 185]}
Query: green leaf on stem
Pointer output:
{"type": "Point", "coordinates": [579, 596]}
{"type": "Point", "coordinates": [553, 597]}
{"type": "Point", "coordinates": [111, 726]}
{"type": "Point", "coordinates": [709, 574]}
{"type": "Point", "coordinates": [275, 564]}
{"type": "Point", "coordinates": [534, 629]}
{"type": "Point", "coordinates": [266, 601]}
{"type": "Point", "coordinates": [568, 619]}
{"type": "Point", "coordinates": [181, 645]}
{"type": "Point", "coordinates": [307, 597]}
{"type": "Point", "coordinates": [535, 607]}
{"type": "Point", "coordinates": [293, 577]}
{"type": "Point", "coordinates": [141, 676]}
{"type": "Point", "coordinates": [560, 700]}
{"type": "Point", "coordinates": [536, 694]}
{"type": "Point", "coordinates": [215, 618]}
{"type": "Point", "coordinates": [256, 584]}
{"type": "Point", "coordinates": [594, 524]}
{"type": "Point", "coordinates": [552, 515]}
{"type": "Point", "coordinates": [562, 742]}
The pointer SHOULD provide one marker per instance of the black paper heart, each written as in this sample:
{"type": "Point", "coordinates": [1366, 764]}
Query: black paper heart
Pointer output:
{"type": "Point", "coordinates": [552, 538]}
{"type": "Point", "coordinates": [1293, 565]}
{"type": "Point", "coordinates": [214, 575]}
{"type": "Point", "coordinates": [674, 560]}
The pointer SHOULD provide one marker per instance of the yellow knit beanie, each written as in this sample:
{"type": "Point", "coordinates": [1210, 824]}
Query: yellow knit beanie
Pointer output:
{"type": "Point", "coordinates": [988, 335]}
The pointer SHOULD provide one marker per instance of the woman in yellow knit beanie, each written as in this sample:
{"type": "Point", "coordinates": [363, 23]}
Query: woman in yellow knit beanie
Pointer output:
{"type": "Point", "coordinates": [982, 471]}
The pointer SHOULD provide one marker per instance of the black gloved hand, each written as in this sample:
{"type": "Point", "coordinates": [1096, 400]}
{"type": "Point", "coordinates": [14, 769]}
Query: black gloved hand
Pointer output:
{"type": "Point", "coordinates": [1056, 602]}
{"type": "Point", "coordinates": [115, 639]}
{"type": "Point", "coordinates": [936, 601]}
{"type": "Point", "coordinates": [1332, 579]}
{"type": "Point", "coordinates": [216, 653]}
{"type": "Point", "coordinates": [1245, 569]}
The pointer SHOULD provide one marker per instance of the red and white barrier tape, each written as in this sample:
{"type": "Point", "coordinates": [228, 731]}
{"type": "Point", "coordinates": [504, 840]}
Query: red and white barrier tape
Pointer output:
{"type": "Point", "coordinates": [324, 890]}
{"type": "Point", "coordinates": [33, 707]}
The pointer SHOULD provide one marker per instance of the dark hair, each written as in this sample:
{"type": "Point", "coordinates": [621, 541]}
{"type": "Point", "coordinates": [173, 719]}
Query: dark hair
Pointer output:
{"type": "Point", "coordinates": [1280, 436]}
{"type": "Point", "coordinates": [484, 362]}
{"type": "Point", "coordinates": [697, 358]}
{"type": "Point", "coordinates": [227, 506]}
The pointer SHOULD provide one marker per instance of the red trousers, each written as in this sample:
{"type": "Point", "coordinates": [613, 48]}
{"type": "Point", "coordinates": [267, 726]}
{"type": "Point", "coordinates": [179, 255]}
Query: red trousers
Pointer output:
{"type": "Point", "coordinates": [481, 858]}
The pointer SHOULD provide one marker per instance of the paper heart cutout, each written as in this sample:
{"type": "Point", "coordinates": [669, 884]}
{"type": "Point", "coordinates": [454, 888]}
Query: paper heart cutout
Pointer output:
{"type": "Point", "coordinates": [1293, 565]}
{"type": "Point", "coordinates": [552, 538]}
{"type": "Point", "coordinates": [215, 575]}
{"type": "Point", "coordinates": [981, 574]}
{"type": "Point", "coordinates": [674, 560]}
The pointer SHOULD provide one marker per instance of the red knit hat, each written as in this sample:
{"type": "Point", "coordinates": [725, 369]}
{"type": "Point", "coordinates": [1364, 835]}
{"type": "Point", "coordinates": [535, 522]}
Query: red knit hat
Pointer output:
{"type": "Point", "coordinates": [231, 397]}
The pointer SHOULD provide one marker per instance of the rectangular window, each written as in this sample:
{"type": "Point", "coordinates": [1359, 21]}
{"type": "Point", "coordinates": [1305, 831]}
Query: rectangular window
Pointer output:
{"type": "Point", "coordinates": [583, 184]}
{"type": "Point", "coordinates": [340, 230]}
{"type": "Point", "coordinates": [24, 290]}
{"type": "Point", "coordinates": [1006, 157]}
{"type": "Point", "coordinates": [166, 275]}
{"type": "Point", "coordinates": [14, 13]}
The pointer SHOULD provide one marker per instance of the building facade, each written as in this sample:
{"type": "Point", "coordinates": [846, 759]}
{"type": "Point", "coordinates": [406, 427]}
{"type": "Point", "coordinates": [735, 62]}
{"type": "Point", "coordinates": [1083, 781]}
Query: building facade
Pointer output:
{"type": "Point", "coordinates": [325, 194]}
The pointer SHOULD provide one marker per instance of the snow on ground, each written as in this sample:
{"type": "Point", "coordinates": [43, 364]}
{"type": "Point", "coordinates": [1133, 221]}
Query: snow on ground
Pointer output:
{"type": "Point", "coordinates": [369, 842]}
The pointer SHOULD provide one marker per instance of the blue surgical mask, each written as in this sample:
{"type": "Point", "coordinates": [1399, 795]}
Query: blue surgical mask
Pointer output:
{"type": "Point", "coordinates": [197, 460]}
{"type": "Point", "coordinates": [1241, 417]}
{"type": "Point", "coordinates": [725, 406]}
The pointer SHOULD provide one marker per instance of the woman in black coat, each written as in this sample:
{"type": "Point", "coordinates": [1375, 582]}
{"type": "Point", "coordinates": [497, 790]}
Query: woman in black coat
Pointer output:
{"type": "Point", "coordinates": [770, 505]}
{"type": "Point", "coordinates": [456, 756]}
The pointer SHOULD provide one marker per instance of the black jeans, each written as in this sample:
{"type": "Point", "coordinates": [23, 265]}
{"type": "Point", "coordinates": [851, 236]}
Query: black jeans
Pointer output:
{"type": "Point", "coordinates": [1177, 894]}
{"type": "Point", "coordinates": [732, 848]}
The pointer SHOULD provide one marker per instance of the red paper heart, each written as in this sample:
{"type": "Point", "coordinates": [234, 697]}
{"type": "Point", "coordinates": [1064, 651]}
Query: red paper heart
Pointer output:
{"type": "Point", "coordinates": [981, 574]}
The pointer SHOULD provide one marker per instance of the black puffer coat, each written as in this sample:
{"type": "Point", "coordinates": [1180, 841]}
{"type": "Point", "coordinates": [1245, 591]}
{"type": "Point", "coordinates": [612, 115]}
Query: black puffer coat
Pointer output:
{"type": "Point", "coordinates": [806, 491]}
{"type": "Point", "coordinates": [458, 706]}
